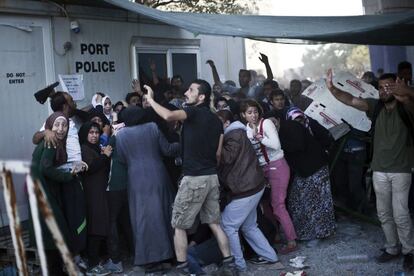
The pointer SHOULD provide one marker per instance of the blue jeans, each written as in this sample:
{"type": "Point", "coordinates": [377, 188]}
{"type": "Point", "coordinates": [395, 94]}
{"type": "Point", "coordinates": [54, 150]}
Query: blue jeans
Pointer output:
{"type": "Point", "coordinates": [203, 254]}
{"type": "Point", "coordinates": [241, 214]}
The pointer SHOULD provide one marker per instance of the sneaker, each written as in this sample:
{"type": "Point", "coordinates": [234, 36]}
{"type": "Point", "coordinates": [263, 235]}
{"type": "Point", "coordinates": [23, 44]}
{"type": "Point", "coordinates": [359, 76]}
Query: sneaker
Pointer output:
{"type": "Point", "coordinates": [181, 270]}
{"type": "Point", "coordinates": [408, 263]}
{"type": "Point", "coordinates": [260, 261]}
{"type": "Point", "coordinates": [228, 267]}
{"type": "Point", "coordinates": [98, 270]}
{"type": "Point", "coordinates": [113, 267]}
{"type": "Point", "coordinates": [386, 257]}
{"type": "Point", "coordinates": [82, 263]}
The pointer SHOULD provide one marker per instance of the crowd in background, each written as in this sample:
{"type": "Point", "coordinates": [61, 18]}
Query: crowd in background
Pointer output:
{"type": "Point", "coordinates": [219, 174]}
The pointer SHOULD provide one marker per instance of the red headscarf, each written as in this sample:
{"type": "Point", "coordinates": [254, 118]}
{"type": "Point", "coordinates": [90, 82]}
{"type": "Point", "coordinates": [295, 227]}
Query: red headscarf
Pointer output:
{"type": "Point", "coordinates": [61, 155]}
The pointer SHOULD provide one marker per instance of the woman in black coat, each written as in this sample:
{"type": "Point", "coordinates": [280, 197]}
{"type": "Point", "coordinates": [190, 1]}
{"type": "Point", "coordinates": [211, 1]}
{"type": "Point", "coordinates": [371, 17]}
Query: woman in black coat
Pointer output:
{"type": "Point", "coordinates": [95, 182]}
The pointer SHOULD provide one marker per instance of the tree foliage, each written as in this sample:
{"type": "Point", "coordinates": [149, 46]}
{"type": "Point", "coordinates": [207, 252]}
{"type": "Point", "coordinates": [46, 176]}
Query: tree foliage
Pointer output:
{"type": "Point", "coordinates": [204, 6]}
{"type": "Point", "coordinates": [353, 58]}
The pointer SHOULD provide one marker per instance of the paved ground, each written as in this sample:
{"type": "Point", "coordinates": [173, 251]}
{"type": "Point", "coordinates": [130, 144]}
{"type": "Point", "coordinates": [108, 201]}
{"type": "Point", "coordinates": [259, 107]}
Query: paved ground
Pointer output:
{"type": "Point", "coordinates": [353, 237]}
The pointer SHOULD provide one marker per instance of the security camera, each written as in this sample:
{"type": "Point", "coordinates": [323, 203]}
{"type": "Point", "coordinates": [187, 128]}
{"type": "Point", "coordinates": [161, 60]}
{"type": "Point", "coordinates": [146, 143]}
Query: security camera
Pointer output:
{"type": "Point", "coordinates": [74, 26]}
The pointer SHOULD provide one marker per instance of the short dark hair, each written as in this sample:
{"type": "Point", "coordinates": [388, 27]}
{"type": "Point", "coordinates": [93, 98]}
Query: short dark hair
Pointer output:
{"type": "Point", "coordinates": [225, 115]}
{"type": "Point", "coordinates": [57, 101]}
{"type": "Point", "coordinates": [275, 93]}
{"type": "Point", "coordinates": [404, 65]}
{"type": "Point", "coordinates": [118, 103]}
{"type": "Point", "coordinates": [388, 76]}
{"type": "Point", "coordinates": [274, 84]}
{"type": "Point", "coordinates": [245, 71]}
{"type": "Point", "coordinates": [177, 77]}
{"type": "Point", "coordinates": [130, 95]}
{"type": "Point", "coordinates": [219, 99]}
{"type": "Point", "coordinates": [204, 89]}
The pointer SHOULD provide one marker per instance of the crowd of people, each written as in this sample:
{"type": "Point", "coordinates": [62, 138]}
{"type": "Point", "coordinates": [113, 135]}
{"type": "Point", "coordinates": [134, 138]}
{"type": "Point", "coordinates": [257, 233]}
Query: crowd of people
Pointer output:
{"type": "Point", "coordinates": [200, 175]}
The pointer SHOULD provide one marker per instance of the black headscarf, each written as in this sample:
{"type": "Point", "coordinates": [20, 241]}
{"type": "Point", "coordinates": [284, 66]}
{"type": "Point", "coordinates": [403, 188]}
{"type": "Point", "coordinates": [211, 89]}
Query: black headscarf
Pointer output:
{"type": "Point", "coordinates": [98, 112]}
{"type": "Point", "coordinates": [61, 154]}
{"type": "Point", "coordinates": [83, 135]}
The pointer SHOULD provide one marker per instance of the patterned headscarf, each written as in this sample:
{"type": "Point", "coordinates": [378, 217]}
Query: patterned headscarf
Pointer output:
{"type": "Point", "coordinates": [294, 112]}
{"type": "Point", "coordinates": [61, 155]}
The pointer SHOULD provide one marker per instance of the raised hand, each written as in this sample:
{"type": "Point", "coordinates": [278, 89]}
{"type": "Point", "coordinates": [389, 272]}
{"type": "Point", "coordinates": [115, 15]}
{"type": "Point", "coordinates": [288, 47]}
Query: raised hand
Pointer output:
{"type": "Point", "coordinates": [136, 86]}
{"type": "Point", "coordinates": [400, 90]}
{"type": "Point", "coordinates": [50, 138]}
{"type": "Point", "coordinates": [150, 92]}
{"type": "Point", "coordinates": [329, 82]}
{"type": "Point", "coordinates": [263, 58]}
{"type": "Point", "coordinates": [210, 62]}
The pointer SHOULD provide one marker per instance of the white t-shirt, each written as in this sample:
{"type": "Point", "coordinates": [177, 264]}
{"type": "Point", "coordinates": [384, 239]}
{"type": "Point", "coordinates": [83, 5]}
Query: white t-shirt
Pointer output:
{"type": "Point", "coordinates": [270, 141]}
{"type": "Point", "coordinates": [73, 148]}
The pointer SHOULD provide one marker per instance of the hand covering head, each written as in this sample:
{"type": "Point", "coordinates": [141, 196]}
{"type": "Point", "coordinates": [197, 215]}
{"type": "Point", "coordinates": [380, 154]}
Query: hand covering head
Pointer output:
{"type": "Point", "coordinates": [294, 112]}
{"type": "Point", "coordinates": [61, 154]}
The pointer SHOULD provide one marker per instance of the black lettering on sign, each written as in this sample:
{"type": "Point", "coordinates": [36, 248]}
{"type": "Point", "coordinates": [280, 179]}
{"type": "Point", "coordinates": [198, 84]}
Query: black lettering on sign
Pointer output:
{"type": "Point", "coordinates": [94, 49]}
{"type": "Point", "coordinates": [106, 46]}
{"type": "Point", "coordinates": [87, 66]}
{"type": "Point", "coordinates": [112, 66]}
{"type": "Point", "coordinates": [99, 49]}
{"type": "Point", "coordinates": [16, 81]}
{"type": "Point", "coordinates": [91, 49]}
{"type": "Point", "coordinates": [16, 78]}
{"type": "Point", "coordinates": [94, 66]}
{"type": "Point", "coordinates": [83, 47]}
{"type": "Point", "coordinates": [78, 66]}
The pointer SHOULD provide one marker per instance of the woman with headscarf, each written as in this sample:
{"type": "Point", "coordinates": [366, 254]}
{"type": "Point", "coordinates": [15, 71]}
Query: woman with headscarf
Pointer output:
{"type": "Point", "coordinates": [96, 115]}
{"type": "Point", "coordinates": [95, 182]}
{"type": "Point", "coordinates": [141, 145]}
{"type": "Point", "coordinates": [107, 108]}
{"type": "Point", "coordinates": [315, 129]}
{"type": "Point", "coordinates": [45, 161]}
{"type": "Point", "coordinates": [309, 200]}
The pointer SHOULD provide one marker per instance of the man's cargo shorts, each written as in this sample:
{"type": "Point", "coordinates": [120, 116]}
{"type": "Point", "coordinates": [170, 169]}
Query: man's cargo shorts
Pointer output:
{"type": "Point", "coordinates": [196, 194]}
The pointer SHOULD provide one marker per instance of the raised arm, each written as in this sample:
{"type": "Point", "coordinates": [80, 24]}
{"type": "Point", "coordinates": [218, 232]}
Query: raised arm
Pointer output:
{"type": "Point", "coordinates": [47, 135]}
{"type": "Point", "coordinates": [263, 58]}
{"type": "Point", "coordinates": [345, 97]}
{"type": "Point", "coordinates": [168, 115]}
{"type": "Point", "coordinates": [216, 76]}
{"type": "Point", "coordinates": [136, 86]}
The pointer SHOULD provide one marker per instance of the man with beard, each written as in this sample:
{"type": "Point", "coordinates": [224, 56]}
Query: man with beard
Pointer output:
{"type": "Point", "coordinates": [198, 193]}
{"type": "Point", "coordinates": [391, 163]}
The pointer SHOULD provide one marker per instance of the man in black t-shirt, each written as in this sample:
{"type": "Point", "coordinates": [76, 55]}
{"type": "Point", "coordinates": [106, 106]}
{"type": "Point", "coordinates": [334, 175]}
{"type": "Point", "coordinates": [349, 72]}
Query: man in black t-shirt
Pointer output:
{"type": "Point", "coordinates": [198, 193]}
